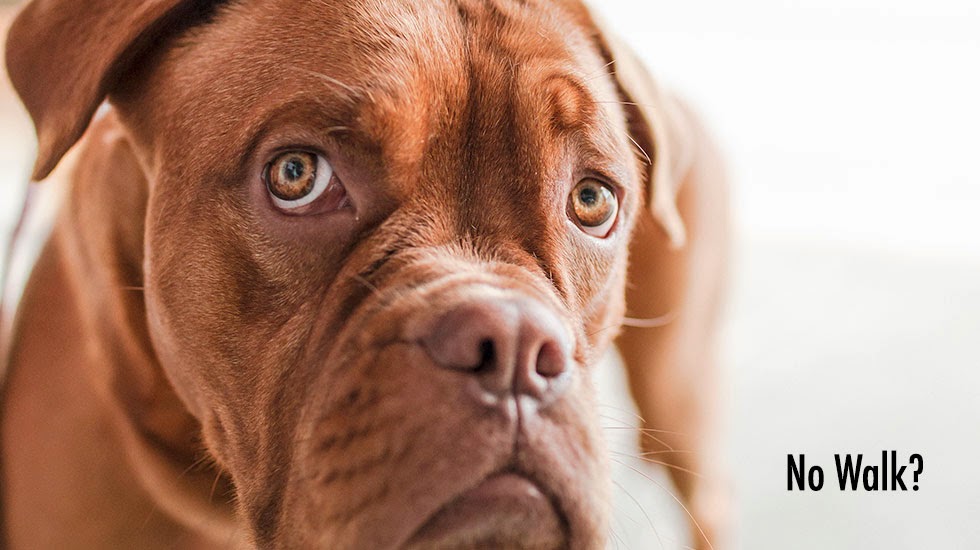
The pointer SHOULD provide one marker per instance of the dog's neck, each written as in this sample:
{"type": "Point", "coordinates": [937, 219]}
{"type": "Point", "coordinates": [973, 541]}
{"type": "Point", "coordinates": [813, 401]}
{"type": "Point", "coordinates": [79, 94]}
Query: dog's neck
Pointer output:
{"type": "Point", "coordinates": [96, 253]}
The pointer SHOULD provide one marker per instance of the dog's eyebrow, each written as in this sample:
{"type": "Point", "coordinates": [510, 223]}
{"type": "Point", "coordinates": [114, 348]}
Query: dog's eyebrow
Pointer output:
{"type": "Point", "coordinates": [316, 115]}
{"type": "Point", "coordinates": [572, 103]}
{"type": "Point", "coordinates": [340, 102]}
{"type": "Point", "coordinates": [350, 93]}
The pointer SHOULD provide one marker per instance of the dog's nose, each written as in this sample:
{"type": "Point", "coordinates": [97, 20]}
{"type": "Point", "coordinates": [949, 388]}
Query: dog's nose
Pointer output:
{"type": "Point", "coordinates": [510, 345]}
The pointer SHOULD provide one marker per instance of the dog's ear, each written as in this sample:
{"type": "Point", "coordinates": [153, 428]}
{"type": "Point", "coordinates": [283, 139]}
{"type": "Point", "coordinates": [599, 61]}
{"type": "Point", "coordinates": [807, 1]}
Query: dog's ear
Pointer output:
{"type": "Point", "coordinates": [658, 126]}
{"type": "Point", "coordinates": [64, 56]}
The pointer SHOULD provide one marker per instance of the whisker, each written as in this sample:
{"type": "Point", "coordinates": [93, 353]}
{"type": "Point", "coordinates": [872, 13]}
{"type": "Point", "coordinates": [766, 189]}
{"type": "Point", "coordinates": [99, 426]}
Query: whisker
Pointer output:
{"type": "Point", "coordinates": [640, 506]}
{"type": "Point", "coordinates": [604, 329]}
{"type": "Point", "coordinates": [146, 520]}
{"type": "Point", "coordinates": [620, 514]}
{"type": "Point", "coordinates": [214, 485]}
{"type": "Point", "coordinates": [643, 433]}
{"type": "Point", "coordinates": [627, 411]}
{"type": "Point", "coordinates": [656, 439]}
{"type": "Point", "coordinates": [199, 461]}
{"type": "Point", "coordinates": [677, 500]}
{"type": "Point", "coordinates": [616, 538]}
{"type": "Point", "coordinates": [665, 452]}
{"type": "Point", "coordinates": [354, 92]}
{"type": "Point", "coordinates": [645, 155]}
{"type": "Point", "coordinates": [653, 322]}
{"type": "Point", "coordinates": [637, 428]}
{"type": "Point", "coordinates": [659, 463]}
{"type": "Point", "coordinates": [632, 322]}
{"type": "Point", "coordinates": [671, 452]}
{"type": "Point", "coordinates": [620, 423]}
{"type": "Point", "coordinates": [601, 71]}
{"type": "Point", "coordinates": [628, 103]}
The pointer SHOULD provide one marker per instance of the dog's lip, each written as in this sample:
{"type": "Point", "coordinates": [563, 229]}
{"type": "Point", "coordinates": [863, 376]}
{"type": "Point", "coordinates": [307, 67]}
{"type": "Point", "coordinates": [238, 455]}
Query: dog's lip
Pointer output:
{"type": "Point", "coordinates": [504, 504]}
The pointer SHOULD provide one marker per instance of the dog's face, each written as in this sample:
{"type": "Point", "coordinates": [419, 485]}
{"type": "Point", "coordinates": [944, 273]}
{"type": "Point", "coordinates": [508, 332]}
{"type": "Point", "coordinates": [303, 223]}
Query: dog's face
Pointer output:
{"type": "Point", "coordinates": [385, 245]}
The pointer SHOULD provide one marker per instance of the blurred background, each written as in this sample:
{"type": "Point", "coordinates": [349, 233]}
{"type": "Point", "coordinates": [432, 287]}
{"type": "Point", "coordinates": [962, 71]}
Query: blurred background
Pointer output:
{"type": "Point", "coordinates": [852, 131]}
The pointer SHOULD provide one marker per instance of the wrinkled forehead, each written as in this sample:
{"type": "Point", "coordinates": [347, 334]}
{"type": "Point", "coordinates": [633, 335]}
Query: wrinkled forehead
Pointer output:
{"type": "Point", "coordinates": [397, 70]}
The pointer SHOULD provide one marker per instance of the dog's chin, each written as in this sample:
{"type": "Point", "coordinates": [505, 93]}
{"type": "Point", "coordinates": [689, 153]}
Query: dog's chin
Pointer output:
{"type": "Point", "coordinates": [506, 510]}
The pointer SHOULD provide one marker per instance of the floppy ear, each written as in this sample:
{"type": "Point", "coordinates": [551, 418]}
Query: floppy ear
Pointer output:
{"type": "Point", "coordinates": [658, 125]}
{"type": "Point", "coordinates": [64, 56]}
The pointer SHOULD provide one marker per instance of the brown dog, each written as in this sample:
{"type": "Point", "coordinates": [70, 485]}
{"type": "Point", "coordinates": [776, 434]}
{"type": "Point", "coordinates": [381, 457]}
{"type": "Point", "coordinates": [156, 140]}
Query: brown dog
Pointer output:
{"type": "Point", "coordinates": [336, 274]}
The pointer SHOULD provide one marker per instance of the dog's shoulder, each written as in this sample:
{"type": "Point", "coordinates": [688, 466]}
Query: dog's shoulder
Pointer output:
{"type": "Point", "coordinates": [46, 205]}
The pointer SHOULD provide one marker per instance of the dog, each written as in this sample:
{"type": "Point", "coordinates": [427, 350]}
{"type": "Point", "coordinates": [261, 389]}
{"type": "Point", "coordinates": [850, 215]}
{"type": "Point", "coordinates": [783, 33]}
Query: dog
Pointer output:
{"type": "Point", "coordinates": [338, 275]}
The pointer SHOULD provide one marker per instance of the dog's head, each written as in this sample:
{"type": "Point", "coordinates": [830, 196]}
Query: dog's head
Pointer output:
{"type": "Point", "coordinates": [384, 244]}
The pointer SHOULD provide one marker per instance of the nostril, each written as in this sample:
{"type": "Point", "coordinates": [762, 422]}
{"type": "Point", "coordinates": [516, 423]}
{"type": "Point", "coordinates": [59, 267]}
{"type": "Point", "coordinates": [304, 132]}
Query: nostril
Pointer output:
{"type": "Point", "coordinates": [509, 346]}
{"type": "Point", "coordinates": [551, 360]}
{"type": "Point", "coordinates": [488, 356]}
{"type": "Point", "coordinates": [474, 337]}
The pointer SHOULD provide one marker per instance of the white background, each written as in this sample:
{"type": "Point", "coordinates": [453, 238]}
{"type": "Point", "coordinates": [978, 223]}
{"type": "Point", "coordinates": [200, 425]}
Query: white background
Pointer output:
{"type": "Point", "coordinates": [851, 129]}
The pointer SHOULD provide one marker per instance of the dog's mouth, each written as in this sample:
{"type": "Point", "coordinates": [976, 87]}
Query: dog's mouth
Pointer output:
{"type": "Point", "coordinates": [505, 510]}
{"type": "Point", "coordinates": [399, 454]}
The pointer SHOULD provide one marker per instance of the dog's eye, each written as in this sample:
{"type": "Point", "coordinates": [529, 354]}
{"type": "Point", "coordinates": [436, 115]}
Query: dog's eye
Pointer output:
{"type": "Point", "coordinates": [594, 206]}
{"type": "Point", "coordinates": [295, 179]}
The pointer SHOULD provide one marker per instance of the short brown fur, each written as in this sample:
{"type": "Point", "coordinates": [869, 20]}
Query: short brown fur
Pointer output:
{"type": "Point", "coordinates": [193, 369]}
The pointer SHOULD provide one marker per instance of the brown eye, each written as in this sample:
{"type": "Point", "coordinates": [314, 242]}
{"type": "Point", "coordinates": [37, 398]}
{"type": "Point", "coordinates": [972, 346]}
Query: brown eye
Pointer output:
{"type": "Point", "coordinates": [297, 178]}
{"type": "Point", "coordinates": [594, 206]}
